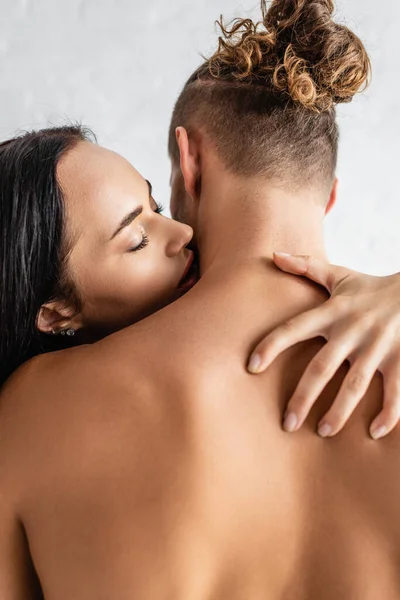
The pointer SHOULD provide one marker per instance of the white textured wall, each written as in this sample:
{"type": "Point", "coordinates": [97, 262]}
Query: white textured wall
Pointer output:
{"type": "Point", "coordinates": [118, 65]}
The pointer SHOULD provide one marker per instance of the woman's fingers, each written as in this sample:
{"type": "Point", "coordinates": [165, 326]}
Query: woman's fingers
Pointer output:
{"type": "Point", "coordinates": [389, 416]}
{"type": "Point", "coordinates": [316, 269]}
{"type": "Point", "coordinates": [353, 389]}
{"type": "Point", "coordinates": [361, 322]}
{"type": "Point", "coordinates": [303, 327]}
{"type": "Point", "coordinates": [318, 373]}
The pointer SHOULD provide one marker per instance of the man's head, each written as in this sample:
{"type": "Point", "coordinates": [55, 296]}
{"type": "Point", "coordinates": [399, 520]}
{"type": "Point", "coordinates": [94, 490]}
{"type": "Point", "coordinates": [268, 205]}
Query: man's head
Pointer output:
{"type": "Point", "coordinates": [265, 101]}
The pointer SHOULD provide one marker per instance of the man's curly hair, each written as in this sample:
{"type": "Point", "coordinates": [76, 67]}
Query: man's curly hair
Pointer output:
{"type": "Point", "coordinates": [267, 95]}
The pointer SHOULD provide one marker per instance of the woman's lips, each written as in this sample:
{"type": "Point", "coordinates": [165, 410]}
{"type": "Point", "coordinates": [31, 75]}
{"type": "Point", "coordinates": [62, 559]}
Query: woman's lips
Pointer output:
{"type": "Point", "coordinates": [190, 275]}
{"type": "Point", "coordinates": [186, 271]}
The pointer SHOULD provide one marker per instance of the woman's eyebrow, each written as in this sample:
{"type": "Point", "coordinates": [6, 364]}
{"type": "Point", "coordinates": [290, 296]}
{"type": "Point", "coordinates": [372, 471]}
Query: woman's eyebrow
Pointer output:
{"type": "Point", "coordinates": [132, 215]}
{"type": "Point", "coordinates": [127, 220]}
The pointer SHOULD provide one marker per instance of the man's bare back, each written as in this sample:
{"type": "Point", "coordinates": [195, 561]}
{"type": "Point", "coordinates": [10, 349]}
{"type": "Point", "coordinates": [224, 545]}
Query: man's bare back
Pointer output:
{"type": "Point", "coordinates": [151, 465]}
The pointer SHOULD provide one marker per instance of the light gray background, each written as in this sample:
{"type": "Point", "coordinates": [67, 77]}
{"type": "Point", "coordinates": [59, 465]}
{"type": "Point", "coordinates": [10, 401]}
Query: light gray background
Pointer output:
{"type": "Point", "coordinates": [117, 65]}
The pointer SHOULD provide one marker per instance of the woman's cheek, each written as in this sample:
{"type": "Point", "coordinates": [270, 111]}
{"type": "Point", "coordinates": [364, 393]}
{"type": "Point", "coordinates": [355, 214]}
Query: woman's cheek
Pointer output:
{"type": "Point", "coordinates": [134, 280]}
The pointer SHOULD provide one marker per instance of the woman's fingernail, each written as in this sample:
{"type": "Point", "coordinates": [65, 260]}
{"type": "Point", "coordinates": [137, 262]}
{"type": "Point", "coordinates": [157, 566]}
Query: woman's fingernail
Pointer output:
{"type": "Point", "coordinates": [324, 430]}
{"type": "Point", "coordinates": [282, 254]}
{"type": "Point", "coordinates": [290, 422]}
{"type": "Point", "coordinates": [255, 363]}
{"type": "Point", "coordinates": [378, 432]}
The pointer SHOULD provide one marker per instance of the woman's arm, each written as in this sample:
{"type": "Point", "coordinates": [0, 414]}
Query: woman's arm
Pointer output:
{"type": "Point", "coordinates": [361, 323]}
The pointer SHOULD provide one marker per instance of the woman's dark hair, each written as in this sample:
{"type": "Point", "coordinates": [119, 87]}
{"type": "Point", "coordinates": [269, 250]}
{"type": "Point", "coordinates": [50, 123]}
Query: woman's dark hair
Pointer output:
{"type": "Point", "coordinates": [34, 245]}
{"type": "Point", "coordinates": [267, 96]}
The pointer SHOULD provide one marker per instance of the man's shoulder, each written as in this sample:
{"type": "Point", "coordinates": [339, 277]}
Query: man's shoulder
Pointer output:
{"type": "Point", "coordinates": [58, 372]}
{"type": "Point", "coordinates": [39, 393]}
{"type": "Point", "coordinates": [38, 374]}
{"type": "Point", "coordinates": [57, 410]}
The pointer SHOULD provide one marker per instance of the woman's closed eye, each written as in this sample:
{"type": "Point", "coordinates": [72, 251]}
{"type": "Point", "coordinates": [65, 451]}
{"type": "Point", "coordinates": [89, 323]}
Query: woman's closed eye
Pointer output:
{"type": "Point", "coordinates": [143, 244]}
{"type": "Point", "coordinates": [145, 238]}
{"type": "Point", "coordinates": [159, 208]}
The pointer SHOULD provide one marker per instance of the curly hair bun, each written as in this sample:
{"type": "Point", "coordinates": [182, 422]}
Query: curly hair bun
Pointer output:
{"type": "Point", "coordinates": [297, 50]}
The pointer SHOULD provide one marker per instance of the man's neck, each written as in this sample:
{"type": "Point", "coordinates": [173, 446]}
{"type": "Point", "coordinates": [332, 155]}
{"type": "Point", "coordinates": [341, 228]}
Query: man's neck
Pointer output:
{"type": "Point", "coordinates": [240, 221]}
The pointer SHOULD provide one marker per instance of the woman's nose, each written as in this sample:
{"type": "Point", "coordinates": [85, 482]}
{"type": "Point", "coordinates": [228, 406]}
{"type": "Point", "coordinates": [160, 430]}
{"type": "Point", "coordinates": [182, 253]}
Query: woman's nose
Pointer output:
{"type": "Point", "coordinates": [181, 235]}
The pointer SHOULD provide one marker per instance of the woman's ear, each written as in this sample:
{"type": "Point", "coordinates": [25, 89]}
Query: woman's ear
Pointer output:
{"type": "Point", "coordinates": [57, 316]}
{"type": "Point", "coordinates": [189, 161]}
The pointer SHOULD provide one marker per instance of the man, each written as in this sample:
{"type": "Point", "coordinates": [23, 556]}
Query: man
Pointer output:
{"type": "Point", "coordinates": [152, 465]}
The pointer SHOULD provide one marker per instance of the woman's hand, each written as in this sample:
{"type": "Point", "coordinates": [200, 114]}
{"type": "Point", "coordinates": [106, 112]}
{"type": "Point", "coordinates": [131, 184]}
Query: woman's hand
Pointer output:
{"type": "Point", "coordinates": [361, 323]}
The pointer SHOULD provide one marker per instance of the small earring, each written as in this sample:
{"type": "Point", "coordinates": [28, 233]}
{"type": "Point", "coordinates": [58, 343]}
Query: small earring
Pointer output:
{"type": "Point", "coordinates": [70, 332]}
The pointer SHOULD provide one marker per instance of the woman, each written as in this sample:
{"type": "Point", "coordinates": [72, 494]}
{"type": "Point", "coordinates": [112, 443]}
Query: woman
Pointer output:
{"type": "Point", "coordinates": [77, 265]}
{"type": "Point", "coordinates": [75, 271]}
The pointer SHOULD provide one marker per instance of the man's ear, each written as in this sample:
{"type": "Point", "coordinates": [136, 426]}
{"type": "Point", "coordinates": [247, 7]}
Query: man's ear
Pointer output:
{"type": "Point", "coordinates": [189, 161]}
{"type": "Point", "coordinates": [57, 316]}
{"type": "Point", "coordinates": [332, 198]}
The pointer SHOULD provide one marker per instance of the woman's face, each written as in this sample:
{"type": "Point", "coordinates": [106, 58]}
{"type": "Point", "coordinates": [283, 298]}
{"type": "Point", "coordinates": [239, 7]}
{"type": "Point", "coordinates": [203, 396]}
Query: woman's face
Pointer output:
{"type": "Point", "coordinates": [127, 260]}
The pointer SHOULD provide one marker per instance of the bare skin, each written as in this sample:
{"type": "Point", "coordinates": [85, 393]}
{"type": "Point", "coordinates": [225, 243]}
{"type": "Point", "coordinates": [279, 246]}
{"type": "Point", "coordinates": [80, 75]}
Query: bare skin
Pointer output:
{"type": "Point", "coordinates": [152, 465]}
{"type": "Point", "coordinates": [358, 326]}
